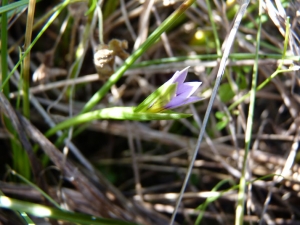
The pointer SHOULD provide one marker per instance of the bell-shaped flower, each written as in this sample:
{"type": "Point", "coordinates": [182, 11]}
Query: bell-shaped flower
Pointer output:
{"type": "Point", "coordinates": [172, 94]}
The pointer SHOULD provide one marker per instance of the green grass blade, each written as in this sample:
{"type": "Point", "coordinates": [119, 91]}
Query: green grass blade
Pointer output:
{"type": "Point", "coordinates": [213, 26]}
{"type": "Point", "coordinates": [233, 56]}
{"type": "Point", "coordinates": [116, 113]}
{"type": "Point", "coordinates": [19, 156]}
{"type": "Point", "coordinates": [239, 213]}
{"type": "Point", "coordinates": [35, 187]}
{"type": "Point", "coordinates": [12, 6]}
{"type": "Point", "coordinates": [48, 212]}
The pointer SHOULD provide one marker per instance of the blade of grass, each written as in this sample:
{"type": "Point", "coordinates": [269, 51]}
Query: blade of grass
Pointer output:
{"type": "Point", "coordinates": [48, 212]}
{"type": "Point", "coordinates": [19, 157]}
{"type": "Point", "coordinates": [12, 6]}
{"type": "Point", "coordinates": [209, 200]}
{"type": "Point", "coordinates": [233, 56]}
{"type": "Point", "coordinates": [214, 29]}
{"type": "Point", "coordinates": [26, 71]}
{"type": "Point", "coordinates": [228, 42]}
{"type": "Point", "coordinates": [20, 163]}
{"type": "Point", "coordinates": [27, 218]}
{"type": "Point", "coordinates": [239, 213]}
{"type": "Point", "coordinates": [35, 187]}
{"type": "Point", "coordinates": [117, 113]}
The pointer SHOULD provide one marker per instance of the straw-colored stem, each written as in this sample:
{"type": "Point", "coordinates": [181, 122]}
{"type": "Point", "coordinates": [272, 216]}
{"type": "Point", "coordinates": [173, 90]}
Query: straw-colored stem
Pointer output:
{"type": "Point", "coordinates": [26, 71]}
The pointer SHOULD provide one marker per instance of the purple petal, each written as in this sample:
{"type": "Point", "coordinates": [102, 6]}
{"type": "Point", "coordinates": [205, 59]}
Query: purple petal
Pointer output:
{"type": "Point", "coordinates": [180, 101]}
{"type": "Point", "coordinates": [179, 76]}
{"type": "Point", "coordinates": [188, 88]}
{"type": "Point", "coordinates": [193, 99]}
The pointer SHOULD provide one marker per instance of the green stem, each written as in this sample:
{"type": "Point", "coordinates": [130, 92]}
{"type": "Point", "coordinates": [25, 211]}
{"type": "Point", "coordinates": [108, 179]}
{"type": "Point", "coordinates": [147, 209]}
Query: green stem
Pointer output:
{"type": "Point", "coordinates": [116, 113]}
{"type": "Point", "coordinates": [213, 25]}
{"type": "Point", "coordinates": [239, 215]}
{"type": "Point", "coordinates": [37, 188]}
{"type": "Point", "coordinates": [19, 158]}
{"type": "Point", "coordinates": [233, 56]}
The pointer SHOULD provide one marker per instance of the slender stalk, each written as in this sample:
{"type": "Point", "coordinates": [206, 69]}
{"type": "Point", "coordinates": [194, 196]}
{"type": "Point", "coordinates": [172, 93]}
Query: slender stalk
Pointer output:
{"type": "Point", "coordinates": [234, 56]}
{"type": "Point", "coordinates": [214, 29]}
{"type": "Point", "coordinates": [26, 71]}
{"type": "Point", "coordinates": [239, 214]}
{"type": "Point", "coordinates": [36, 187]}
{"type": "Point", "coordinates": [20, 160]}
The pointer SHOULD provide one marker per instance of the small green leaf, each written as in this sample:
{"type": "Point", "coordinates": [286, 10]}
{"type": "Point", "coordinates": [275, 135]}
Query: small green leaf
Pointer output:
{"type": "Point", "coordinates": [220, 115]}
{"type": "Point", "coordinates": [223, 120]}
{"type": "Point", "coordinates": [221, 124]}
{"type": "Point", "coordinates": [225, 92]}
{"type": "Point", "coordinates": [242, 82]}
{"type": "Point", "coordinates": [158, 99]}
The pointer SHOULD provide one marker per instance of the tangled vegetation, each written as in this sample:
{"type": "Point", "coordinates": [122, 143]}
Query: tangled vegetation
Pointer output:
{"type": "Point", "coordinates": [92, 132]}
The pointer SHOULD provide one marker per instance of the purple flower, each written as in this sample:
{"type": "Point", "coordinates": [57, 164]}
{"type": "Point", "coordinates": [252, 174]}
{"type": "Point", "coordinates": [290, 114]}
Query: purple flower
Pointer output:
{"type": "Point", "coordinates": [170, 95]}
{"type": "Point", "coordinates": [184, 91]}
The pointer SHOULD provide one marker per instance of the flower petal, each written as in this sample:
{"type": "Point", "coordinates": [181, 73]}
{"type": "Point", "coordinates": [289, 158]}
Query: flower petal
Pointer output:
{"type": "Point", "coordinates": [188, 88]}
{"type": "Point", "coordinates": [180, 101]}
{"type": "Point", "coordinates": [179, 76]}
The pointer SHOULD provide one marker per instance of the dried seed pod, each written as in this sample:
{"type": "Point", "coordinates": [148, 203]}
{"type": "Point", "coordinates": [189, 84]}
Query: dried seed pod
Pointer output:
{"type": "Point", "coordinates": [104, 60]}
{"type": "Point", "coordinates": [46, 71]}
{"type": "Point", "coordinates": [104, 57]}
{"type": "Point", "coordinates": [118, 47]}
